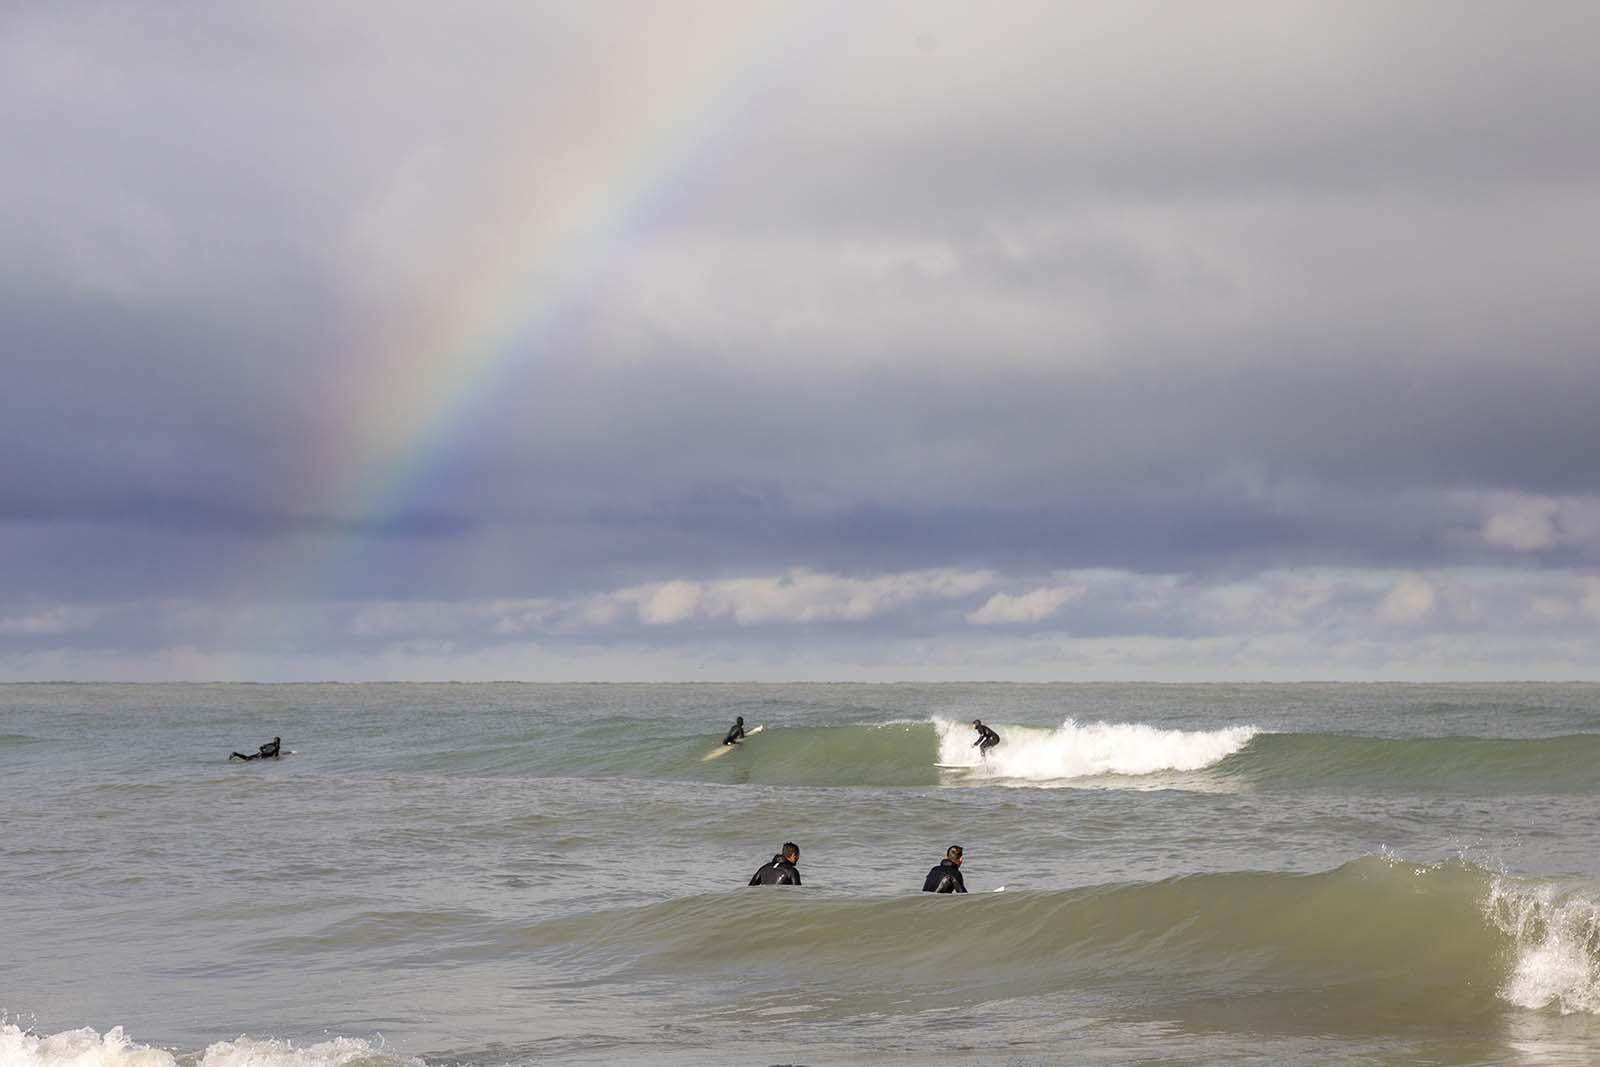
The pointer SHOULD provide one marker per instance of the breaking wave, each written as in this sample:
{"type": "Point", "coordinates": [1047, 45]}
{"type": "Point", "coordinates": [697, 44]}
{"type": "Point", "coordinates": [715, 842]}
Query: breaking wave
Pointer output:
{"type": "Point", "coordinates": [88, 1048]}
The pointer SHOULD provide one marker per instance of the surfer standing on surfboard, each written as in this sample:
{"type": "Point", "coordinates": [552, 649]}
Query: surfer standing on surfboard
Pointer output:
{"type": "Point", "coordinates": [736, 732]}
{"type": "Point", "coordinates": [987, 738]}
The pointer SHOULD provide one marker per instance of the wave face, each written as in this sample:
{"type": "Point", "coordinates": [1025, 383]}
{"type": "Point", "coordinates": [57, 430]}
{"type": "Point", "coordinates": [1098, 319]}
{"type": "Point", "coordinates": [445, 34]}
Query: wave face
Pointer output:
{"type": "Point", "coordinates": [1431, 764]}
{"type": "Point", "coordinates": [1136, 755]}
{"type": "Point", "coordinates": [1426, 943]}
{"type": "Point", "coordinates": [114, 1048]}
{"type": "Point", "coordinates": [1376, 941]}
{"type": "Point", "coordinates": [910, 754]}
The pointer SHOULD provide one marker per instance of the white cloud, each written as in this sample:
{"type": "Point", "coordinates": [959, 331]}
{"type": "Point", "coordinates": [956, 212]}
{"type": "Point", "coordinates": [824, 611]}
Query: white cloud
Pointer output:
{"type": "Point", "coordinates": [672, 602]}
{"type": "Point", "coordinates": [1589, 595]}
{"type": "Point", "coordinates": [1527, 525]}
{"type": "Point", "coordinates": [1546, 608]}
{"type": "Point", "coordinates": [1410, 601]}
{"type": "Point", "coordinates": [48, 622]}
{"type": "Point", "coordinates": [793, 597]}
{"type": "Point", "coordinates": [796, 597]}
{"type": "Point", "coordinates": [1523, 523]}
{"type": "Point", "coordinates": [1036, 606]}
{"type": "Point", "coordinates": [1268, 601]}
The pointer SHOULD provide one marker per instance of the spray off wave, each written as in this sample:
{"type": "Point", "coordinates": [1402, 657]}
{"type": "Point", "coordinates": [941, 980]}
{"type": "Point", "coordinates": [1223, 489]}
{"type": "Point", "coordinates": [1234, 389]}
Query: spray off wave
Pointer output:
{"type": "Point", "coordinates": [1090, 750]}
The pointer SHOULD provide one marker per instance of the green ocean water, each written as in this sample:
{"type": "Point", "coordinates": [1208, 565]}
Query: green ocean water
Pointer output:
{"type": "Point", "coordinates": [515, 874]}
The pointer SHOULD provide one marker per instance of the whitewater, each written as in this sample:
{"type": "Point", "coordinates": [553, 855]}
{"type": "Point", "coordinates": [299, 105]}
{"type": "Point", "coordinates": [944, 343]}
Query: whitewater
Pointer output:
{"type": "Point", "coordinates": [514, 874]}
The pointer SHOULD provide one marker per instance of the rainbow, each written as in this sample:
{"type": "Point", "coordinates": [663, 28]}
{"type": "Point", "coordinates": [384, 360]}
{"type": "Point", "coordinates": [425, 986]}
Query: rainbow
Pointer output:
{"type": "Point", "coordinates": [507, 286]}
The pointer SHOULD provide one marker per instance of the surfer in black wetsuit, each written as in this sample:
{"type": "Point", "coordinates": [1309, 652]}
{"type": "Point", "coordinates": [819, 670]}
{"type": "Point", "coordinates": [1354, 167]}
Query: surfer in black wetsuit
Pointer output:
{"type": "Point", "coordinates": [782, 870]}
{"type": "Point", "coordinates": [946, 878]}
{"type": "Point", "coordinates": [736, 732]}
{"type": "Point", "coordinates": [270, 750]}
{"type": "Point", "coordinates": [987, 738]}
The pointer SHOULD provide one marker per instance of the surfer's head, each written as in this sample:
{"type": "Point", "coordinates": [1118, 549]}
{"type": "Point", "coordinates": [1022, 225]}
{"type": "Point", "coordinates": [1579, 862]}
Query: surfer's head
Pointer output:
{"type": "Point", "coordinates": [953, 854]}
{"type": "Point", "coordinates": [977, 722]}
{"type": "Point", "coordinates": [791, 852]}
{"type": "Point", "coordinates": [739, 719]}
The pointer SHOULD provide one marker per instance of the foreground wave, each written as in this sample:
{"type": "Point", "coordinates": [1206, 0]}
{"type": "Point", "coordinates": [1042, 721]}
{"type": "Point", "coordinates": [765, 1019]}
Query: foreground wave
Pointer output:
{"type": "Point", "coordinates": [1377, 941]}
{"type": "Point", "coordinates": [88, 1048]}
{"type": "Point", "coordinates": [1376, 936]}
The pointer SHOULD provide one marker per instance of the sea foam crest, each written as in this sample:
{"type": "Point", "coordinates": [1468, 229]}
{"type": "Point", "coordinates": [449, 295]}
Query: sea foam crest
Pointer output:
{"type": "Point", "coordinates": [87, 1048]}
{"type": "Point", "coordinates": [1557, 944]}
{"type": "Point", "coordinates": [1074, 750]}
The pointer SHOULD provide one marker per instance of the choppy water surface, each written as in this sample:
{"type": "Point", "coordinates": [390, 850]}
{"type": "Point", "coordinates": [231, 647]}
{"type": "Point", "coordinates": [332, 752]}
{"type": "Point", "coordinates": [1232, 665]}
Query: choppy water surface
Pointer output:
{"type": "Point", "coordinates": [554, 874]}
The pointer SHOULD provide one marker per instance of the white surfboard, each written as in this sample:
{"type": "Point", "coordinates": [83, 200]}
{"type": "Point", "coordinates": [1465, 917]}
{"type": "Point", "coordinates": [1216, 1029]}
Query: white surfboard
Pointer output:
{"type": "Point", "coordinates": [723, 750]}
{"type": "Point", "coordinates": [956, 766]}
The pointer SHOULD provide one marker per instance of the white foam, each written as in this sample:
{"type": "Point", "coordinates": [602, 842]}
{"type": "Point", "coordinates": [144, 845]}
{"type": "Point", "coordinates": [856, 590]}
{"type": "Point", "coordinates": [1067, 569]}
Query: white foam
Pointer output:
{"type": "Point", "coordinates": [1072, 750]}
{"type": "Point", "coordinates": [87, 1048]}
{"type": "Point", "coordinates": [1556, 938]}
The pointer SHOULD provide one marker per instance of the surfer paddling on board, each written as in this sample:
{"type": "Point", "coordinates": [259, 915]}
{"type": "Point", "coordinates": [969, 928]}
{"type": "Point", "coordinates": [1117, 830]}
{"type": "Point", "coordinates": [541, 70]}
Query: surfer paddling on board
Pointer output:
{"type": "Point", "coordinates": [736, 732]}
{"type": "Point", "coordinates": [270, 750]}
{"type": "Point", "coordinates": [782, 869]}
{"type": "Point", "coordinates": [987, 738]}
{"type": "Point", "coordinates": [946, 878]}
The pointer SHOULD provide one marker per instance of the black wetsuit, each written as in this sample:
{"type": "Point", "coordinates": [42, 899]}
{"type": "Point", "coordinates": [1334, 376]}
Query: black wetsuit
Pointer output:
{"type": "Point", "coordinates": [987, 739]}
{"type": "Point", "coordinates": [734, 734]}
{"type": "Point", "coordinates": [945, 878]}
{"type": "Point", "coordinates": [270, 750]}
{"type": "Point", "coordinates": [779, 872]}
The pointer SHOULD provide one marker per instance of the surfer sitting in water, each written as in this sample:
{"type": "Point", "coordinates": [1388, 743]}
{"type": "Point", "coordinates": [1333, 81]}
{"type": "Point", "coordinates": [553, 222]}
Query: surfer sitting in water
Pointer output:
{"type": "Point", "coordinates": [736, 732]}
{"type": "Point", "coordinates": [782, 870]}
{"type": "Point", "coordinates": [987, 738]}
{"type": "Point", "coordinates": [946, 878]}
{"type": "Point", "coordinates": [270, 750]}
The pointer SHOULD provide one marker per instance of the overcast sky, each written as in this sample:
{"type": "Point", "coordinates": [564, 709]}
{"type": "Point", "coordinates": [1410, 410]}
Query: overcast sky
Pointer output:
{"type": "Point", "coordinates": [713, 341]}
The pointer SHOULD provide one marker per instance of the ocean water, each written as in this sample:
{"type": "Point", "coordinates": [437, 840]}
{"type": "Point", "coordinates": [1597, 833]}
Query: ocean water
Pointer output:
{"type": "Point", "coordinates": [527, 874]}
